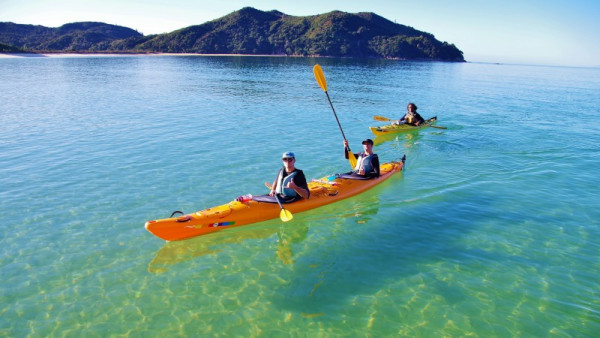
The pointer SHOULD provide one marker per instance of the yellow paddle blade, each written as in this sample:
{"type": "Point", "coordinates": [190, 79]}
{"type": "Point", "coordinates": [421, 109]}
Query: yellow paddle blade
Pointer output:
{"type": "Point", "coordinates": [320, 77]}
{"type": "Point", "coordinates": [380, 118]}
{"type": "Point", "coordinates": [285, 215]}
{"type": "Point", "coordinates": [351, 159]}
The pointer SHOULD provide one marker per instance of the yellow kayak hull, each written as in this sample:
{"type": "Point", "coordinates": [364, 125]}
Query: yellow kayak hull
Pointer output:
{"type": "Point", "coordinates": [234, 213]}
{"type": "Point", "coordinates": [400, 128]}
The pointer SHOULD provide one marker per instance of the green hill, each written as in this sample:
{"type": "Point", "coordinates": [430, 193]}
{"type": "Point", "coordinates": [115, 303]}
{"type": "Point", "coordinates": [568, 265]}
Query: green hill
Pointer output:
{"type": "Point", "coordinates": [4, 48]}
{"type": "Point", "coordinates": [73, 37]}
{"type": "Point", "coordinates": [247, 31]}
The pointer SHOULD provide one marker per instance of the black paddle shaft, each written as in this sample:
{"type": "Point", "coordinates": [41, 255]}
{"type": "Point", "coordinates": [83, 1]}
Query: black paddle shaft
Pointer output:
{"type": "Point", "coordinates": [278, 201]}
{"type": "Point", "coordinates": [334, 114]}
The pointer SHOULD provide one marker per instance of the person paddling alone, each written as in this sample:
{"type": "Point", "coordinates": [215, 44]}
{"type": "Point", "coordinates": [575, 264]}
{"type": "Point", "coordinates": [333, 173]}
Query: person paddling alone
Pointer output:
{"type": "Point", "coordinates": [290, 183]}
{"type": "Point", "coordinates": [411, 117]}
{"type": "Point", "coordinates": [367, 163]}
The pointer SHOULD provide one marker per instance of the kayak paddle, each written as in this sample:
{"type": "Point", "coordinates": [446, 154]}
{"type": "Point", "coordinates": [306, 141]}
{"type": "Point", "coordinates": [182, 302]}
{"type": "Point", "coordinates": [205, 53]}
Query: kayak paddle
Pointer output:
{"type": "Point", "coordinates": [285, 215]}
{"type": "Point", "coordinates": [381, 118]}
{"type": "Point", "coordinates": [323, 84]}
{"type": "Point", "coordinates": [385, 119]}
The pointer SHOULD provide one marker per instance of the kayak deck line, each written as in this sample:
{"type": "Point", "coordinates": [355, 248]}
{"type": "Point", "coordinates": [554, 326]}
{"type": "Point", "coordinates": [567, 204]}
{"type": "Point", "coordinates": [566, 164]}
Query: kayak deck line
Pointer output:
{"type": "Point", "coordinates": [235, 213]}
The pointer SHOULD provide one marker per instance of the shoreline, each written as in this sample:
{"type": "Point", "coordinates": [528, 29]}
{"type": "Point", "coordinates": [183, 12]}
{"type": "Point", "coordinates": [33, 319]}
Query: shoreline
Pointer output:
{"type": "Point", "coordinates": [75, 55]}
{"type": "Point", "coordinates": [88, 54]}
{"type": "Point", "coordinates": [42, 55]}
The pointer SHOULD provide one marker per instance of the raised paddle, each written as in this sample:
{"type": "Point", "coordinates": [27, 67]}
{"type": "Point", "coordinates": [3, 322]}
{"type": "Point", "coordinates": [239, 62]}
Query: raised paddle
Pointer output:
{"type": "Point", "coordinates": [323, 84]}
{"type": "Point", "coordinates": [385, 119]}
{"type": "Point", "coordinates": [285, 215]}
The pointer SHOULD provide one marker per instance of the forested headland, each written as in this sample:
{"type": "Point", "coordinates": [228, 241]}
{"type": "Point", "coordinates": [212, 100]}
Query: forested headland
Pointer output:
{"type": "Point", "coordinates": [246, 31]}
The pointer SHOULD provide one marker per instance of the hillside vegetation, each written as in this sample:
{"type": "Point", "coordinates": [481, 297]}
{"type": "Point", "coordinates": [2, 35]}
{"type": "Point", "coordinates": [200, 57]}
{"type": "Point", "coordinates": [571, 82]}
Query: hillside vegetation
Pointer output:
{"type": "Point", "coordinates": [247, 31]}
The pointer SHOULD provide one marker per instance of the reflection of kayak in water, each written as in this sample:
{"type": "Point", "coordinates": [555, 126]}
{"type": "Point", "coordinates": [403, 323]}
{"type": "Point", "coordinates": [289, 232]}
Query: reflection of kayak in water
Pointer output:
{"type": "Point", "coordinates": [401, 128]}
{"type": "Point", "coordinates": [181, 251]}
{"type": "Point", "coordinates": [408, 140]}
{"type": "Point", "coordinates": [176, 252]}
{"type": "Point", "coordinates": [237, 213]}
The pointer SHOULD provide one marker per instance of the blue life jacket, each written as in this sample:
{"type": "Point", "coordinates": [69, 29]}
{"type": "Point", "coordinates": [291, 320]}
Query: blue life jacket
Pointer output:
{"type": "Point", "coordinates": [364, 162]}
{"type": "Point", "coordinates": [283, 182]}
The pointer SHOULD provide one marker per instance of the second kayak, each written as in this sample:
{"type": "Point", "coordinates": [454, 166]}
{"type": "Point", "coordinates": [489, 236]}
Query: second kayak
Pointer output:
{"type": "Point", "coordinates": [236, 213]}
{"type": "Point", "coordinates": [401, 128]}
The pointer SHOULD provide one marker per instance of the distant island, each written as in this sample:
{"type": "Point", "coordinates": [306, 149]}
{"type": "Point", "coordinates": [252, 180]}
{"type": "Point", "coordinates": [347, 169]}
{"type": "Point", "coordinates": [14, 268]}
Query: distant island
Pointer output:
{"type": "Point", "coordinates": [247, 31]}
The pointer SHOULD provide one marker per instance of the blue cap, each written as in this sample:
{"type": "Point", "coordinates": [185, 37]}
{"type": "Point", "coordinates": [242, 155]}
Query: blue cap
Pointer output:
{"type": "Point", "coordinates": [288, 154]}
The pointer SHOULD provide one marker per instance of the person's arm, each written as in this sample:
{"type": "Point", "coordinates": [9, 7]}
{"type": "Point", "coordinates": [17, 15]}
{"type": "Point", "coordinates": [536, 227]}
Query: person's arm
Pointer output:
{"type": "Point", "coordinates": [298, 183]}
{"type": "Point", "coordinates": [375, 163]}
{"type": "Point", "coordinates": [346, 150]}
{"type": "Point", "coordinates": [274, 185]}
{"type": "Point", "coordinates": [401, 120]}
{"type": "Point", "coordinates": [420, 119]}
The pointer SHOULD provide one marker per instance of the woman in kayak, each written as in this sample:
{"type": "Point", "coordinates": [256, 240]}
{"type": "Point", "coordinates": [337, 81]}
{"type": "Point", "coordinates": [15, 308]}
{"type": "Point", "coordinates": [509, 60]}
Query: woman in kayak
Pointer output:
{"type": "Point", "coordinates": [367, 164]}
{"type": "Point", "coordinates": [411, 117]}
{"type": "Point", "coordinates": [290, 184]}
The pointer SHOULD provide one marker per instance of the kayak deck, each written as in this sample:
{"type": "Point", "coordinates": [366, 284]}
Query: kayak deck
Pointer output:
{"type": "Point", "coordinates": [235, 213]}
{"type": "Point", "coordinates": [401, 128]}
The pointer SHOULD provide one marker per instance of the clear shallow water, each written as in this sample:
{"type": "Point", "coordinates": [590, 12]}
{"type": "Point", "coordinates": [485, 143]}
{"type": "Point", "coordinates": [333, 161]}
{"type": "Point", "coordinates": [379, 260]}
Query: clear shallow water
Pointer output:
{"type": "Point", "coordinates": [491, 230]}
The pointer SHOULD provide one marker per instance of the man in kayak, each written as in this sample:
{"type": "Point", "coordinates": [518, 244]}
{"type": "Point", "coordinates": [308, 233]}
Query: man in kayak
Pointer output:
{"type": "Point", "coordinates": [367, 164]}
{"type": "Point", "coordinates": [411, 117]}
{"type": "Point", "coordinates": [290, 184]}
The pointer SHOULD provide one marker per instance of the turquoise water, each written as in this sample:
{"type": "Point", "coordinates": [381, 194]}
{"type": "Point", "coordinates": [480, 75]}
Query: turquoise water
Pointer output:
{"type": "Point", "coordinates": [492, 230]}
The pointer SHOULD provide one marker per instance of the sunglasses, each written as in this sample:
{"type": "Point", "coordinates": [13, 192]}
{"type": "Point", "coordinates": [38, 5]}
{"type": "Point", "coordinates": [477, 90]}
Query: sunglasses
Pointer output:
{"type": "Point", "coordinates": [288, 159]}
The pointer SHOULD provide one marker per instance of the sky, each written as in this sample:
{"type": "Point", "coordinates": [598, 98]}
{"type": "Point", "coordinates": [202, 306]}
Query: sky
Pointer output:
{"type": "Point", "coordinates": [543, 32]}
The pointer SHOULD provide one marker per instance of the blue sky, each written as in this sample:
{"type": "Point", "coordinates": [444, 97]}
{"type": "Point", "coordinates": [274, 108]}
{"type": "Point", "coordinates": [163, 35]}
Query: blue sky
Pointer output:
{"type": "Point", "coordinates": [549, 32]}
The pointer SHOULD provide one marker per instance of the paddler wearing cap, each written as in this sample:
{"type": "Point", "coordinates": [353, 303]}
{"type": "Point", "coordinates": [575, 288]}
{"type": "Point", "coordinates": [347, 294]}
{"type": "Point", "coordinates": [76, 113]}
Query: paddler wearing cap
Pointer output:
{"type": "Point", "coordinates": [367, 162]}
{"type": "Point", "coordinates": [290, 183]}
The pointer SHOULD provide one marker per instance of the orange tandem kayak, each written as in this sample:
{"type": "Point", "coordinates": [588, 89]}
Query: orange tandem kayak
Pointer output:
{"type": "Point", "coordinates": [235, 213]}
